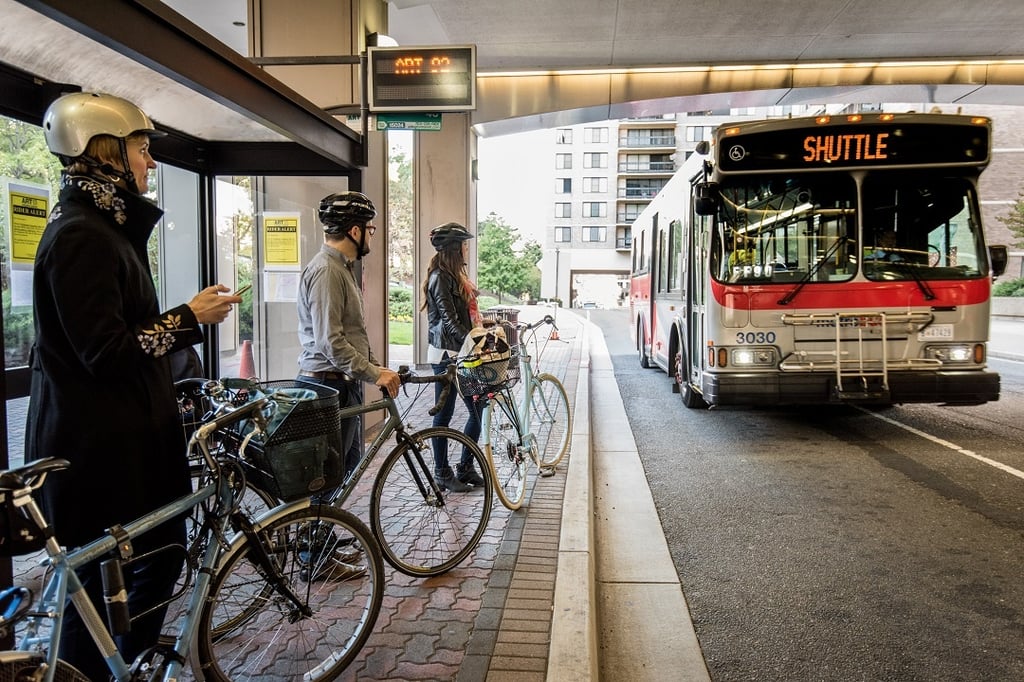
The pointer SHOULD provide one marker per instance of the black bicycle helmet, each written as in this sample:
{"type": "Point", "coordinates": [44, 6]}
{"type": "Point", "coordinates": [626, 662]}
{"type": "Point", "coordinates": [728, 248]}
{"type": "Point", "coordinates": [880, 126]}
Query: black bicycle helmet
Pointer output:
{"type": "Point", "coordinates": [449, 236]}
{"type": "Point", "coordinates": [339, 212]}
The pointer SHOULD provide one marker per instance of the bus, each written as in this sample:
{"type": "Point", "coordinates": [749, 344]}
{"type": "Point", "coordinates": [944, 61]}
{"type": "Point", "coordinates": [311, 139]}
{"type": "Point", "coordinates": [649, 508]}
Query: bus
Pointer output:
{"type": "Point", "coordinates": [831, 259]}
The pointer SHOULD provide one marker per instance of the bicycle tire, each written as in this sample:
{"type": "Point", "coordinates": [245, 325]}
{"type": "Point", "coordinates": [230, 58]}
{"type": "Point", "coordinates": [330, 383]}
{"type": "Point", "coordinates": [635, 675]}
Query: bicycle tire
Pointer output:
{"type": "Point", "coordinates": [24, 666]}
{"type": "Point", "coordinates": [550, 419]}
{"type": "Point", "coordinates": [421, 533]}
{"type": "Point", "coordinates": [507, 460]}
{"type": "Point", "coordinates": [269, 640]}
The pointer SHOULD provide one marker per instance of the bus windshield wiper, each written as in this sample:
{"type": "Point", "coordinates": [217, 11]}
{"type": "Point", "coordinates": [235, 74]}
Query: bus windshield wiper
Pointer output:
{"type": "Point", "coordinates": [788, 298]}
{"type": "Point", "coordinates": [929, 295]}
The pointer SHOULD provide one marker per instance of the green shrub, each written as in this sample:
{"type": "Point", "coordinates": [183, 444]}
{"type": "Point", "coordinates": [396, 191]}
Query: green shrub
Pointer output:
{"type": "Point", "coordinates": [1012, 287]}
{"type": "Point", "coordinates": [400, 304]}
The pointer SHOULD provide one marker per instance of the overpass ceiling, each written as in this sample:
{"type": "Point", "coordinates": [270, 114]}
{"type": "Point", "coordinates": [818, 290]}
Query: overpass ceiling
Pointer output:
{"type": "Point", "coordinates": [539, 34]}
{"type": "Point", "coordinates": [701, 36]}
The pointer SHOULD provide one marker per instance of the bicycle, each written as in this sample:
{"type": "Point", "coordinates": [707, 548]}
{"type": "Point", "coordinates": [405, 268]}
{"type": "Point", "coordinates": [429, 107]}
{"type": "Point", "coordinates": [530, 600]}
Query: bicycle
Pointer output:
{"type": "Point", "coordinates": [421, 529]}
{"type": "Point", "coordinates": [261, 601]}
{"type": "Point", "coordinates": [535, 427]}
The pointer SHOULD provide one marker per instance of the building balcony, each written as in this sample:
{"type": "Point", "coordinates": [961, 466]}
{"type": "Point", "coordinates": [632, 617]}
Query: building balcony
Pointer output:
{"type": "Point", "coordinates": [667, 142]}
{"type": "Point", "coordinates": [647, 167]}
{"type": "Point", "coordinates": [637, 193]}
{"type": "Point", "coordinates": [623, 243]}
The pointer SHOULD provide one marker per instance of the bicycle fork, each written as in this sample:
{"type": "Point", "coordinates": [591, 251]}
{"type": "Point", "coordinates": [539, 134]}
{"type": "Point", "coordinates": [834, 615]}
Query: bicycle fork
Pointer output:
{"type": "Point", "coordinates": [419, 470]}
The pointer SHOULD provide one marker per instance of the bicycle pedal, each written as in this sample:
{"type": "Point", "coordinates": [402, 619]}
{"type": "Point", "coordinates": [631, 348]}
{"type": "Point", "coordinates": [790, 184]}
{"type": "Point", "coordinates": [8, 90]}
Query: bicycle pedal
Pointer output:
{"type": "Point", "coordinates": [546, 472]}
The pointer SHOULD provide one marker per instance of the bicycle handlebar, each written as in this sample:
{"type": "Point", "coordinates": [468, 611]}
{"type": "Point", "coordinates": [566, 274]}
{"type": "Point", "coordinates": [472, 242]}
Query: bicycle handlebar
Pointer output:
{"type": "Point", "coordinates": [526, 326]}
{"type": "Point", "coordinates": [407, 377]}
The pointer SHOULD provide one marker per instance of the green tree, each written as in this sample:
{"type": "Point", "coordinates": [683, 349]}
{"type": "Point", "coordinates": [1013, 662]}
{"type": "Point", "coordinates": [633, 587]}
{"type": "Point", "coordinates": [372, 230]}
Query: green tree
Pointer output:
{"type": "Point", "coordinates": [1014, 220]}
{"type": "Point", "coordinates": [532, 253]}
{"type": "Point", "coordinates": [401, 227]}
{"type": "Point", "coordinates": [502, 268]}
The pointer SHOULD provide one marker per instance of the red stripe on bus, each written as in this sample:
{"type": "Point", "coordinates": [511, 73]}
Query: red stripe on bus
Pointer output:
{"type": "Point", "coordinates": [816, 296]}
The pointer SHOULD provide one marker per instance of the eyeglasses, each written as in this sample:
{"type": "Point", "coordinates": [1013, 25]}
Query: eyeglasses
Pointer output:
{"type": "Point", "coordinates": [370, 229]}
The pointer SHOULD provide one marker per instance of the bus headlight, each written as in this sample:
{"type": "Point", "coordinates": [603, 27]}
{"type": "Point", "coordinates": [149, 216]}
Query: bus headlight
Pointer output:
{"type": "Point", "coordinates": [752, 357]}
{"type": "Point", "coordinates": [956, 353]}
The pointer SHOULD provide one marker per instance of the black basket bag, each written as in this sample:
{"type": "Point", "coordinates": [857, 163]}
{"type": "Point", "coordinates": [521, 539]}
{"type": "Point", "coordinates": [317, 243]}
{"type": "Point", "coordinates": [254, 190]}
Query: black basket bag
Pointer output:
{"type": "Point", "coordinates": [300, 455]}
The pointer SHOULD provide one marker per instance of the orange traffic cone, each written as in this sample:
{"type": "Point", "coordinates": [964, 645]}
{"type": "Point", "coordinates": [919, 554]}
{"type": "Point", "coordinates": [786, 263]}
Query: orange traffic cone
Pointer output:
{"type": "Point", "coordinates": [247, 368]}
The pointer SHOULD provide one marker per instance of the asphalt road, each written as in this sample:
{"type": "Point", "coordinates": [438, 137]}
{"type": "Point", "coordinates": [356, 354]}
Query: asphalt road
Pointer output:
{"type": "Point", "coordinates": [837, 543]}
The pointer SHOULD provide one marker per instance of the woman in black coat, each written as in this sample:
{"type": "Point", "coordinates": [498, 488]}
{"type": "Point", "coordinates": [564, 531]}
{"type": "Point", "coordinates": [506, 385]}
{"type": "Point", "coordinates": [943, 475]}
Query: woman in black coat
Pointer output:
{"type": "Point", "coordinates": [102, 396]}
{"type": "Point", "coordinates": [450, 300]}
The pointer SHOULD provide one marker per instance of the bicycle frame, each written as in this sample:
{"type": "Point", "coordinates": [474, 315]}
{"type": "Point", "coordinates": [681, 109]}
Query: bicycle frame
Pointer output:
{"type": "Point", "coordinates": [392, 426]}
{"type": "Point", "coordinates": [524, 406]}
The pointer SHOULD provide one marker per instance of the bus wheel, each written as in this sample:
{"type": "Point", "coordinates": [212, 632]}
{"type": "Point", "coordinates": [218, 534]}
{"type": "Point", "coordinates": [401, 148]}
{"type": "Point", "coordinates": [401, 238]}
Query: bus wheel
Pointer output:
{"type": "Point", "coordinates": [645, 362]}
{"type": "Point", "coordinates": [691, 398]}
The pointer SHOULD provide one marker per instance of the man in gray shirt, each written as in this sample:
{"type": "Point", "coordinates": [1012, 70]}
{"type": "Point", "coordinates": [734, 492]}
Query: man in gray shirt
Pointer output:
{"type": "Point", "coordinates": [335, 348]}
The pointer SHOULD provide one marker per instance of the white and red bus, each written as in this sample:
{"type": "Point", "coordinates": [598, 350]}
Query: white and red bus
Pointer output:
{"type": "Point", "coordinates": [829, 259]}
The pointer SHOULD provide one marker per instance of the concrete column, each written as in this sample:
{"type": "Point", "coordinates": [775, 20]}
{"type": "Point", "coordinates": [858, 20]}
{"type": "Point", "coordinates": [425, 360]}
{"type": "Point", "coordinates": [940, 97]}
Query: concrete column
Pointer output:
{"type": "Point", "coordinates": [336, 28]}
{"type": "Point", "coordinates": [445, 191]}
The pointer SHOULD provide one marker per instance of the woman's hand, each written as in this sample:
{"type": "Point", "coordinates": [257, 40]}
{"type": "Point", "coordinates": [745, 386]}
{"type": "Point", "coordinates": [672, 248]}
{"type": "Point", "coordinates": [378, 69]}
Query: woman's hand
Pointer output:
{"type": "Point", "coordinates": [211, 305]}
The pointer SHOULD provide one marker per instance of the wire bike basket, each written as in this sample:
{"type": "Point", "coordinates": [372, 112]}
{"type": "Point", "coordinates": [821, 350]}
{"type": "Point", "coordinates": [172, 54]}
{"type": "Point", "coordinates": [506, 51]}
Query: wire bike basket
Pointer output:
{"type": "Point", "coordinates": [299, 454]}
{"type": "Point", "coordinates": [482, 374]}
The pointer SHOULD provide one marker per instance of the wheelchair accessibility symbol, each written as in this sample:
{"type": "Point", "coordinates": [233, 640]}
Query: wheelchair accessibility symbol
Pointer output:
{"type": "Point", "coordinates": [737, 152]}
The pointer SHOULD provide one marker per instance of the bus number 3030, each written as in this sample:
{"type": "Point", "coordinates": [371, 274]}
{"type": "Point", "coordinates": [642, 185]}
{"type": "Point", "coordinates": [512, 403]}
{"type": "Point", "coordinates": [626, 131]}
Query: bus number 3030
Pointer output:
{"type": "Point", "coordinates": [755, 337]}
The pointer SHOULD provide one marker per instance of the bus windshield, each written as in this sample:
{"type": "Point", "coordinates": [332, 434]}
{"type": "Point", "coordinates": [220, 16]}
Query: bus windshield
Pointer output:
{"type": "Point", "coordinates": [785, 228]}
{"type": "Point", "coordinates": [921, 226]}
{"type": "Point", "coordinates": [916, 226]}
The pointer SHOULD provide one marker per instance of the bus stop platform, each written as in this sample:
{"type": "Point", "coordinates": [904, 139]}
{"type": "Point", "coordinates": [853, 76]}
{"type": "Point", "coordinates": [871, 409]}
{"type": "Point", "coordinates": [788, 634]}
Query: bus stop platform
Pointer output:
{"type": "Point", "coordinates": [587, 541]}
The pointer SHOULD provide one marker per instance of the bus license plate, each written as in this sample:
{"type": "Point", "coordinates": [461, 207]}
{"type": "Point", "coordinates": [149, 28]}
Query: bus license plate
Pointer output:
{"type": "Point", "coordinates": [936, 331]}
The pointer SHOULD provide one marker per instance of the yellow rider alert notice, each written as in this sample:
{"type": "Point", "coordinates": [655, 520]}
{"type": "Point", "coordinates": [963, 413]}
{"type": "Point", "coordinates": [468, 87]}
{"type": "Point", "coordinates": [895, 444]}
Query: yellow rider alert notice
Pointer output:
{"type": "Point", "coordinates": [281, 239]}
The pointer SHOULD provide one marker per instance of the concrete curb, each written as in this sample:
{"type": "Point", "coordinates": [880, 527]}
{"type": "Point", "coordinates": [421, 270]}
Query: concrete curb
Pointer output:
{"type": "Point", "coordinates": [573, 651]}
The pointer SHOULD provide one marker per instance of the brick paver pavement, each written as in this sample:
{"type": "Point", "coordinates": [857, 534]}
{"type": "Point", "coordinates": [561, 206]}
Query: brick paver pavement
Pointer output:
{"type": "Point", "coordinates": [489, 619]}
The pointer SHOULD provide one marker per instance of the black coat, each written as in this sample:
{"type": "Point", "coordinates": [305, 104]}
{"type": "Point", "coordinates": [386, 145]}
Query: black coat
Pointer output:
{"type": "Point", "coordinates": [102, 394]}
{"type": "Point", "coordinates": [448, 321]}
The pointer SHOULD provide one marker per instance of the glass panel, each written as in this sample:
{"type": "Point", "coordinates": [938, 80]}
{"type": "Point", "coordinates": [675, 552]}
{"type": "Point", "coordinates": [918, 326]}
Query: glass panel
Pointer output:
{"type": "Point", "coordinates": [263, 340]}
{"type": "Point", "coordinates": [785, 229]}
{"type": "Point", "coordinates": [35, 173]}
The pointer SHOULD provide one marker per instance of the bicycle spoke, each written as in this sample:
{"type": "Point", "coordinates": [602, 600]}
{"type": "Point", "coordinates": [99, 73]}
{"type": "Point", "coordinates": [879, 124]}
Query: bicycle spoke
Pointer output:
{"type": "Point", "coordinates": [550, 419]}
{"type": "Point", "coordinates": [507, 458]}
{"type": "Point", "coordinates": [251, 632]}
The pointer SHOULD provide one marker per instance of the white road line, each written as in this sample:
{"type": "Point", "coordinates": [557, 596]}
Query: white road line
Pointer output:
{"type": "Point", "coordinates": [946, 444]}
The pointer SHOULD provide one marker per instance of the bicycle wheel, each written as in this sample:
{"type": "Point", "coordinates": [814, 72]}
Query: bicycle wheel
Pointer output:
{"type": "Point", "coordinates": [254, 501]}
{"type": "Point", "coordinates": [248, 633]}
{"type": "Point", "coordinates": [507, 459]}
{"type": "Point", "coordinates": [423, 530]}
{"type": "Point", "coordinates": [550, 419]}
{"type": "Point", "coordinates": [25, 666]}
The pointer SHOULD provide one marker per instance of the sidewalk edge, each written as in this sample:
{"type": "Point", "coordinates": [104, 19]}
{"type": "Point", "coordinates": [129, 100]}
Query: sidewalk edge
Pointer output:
{"type": "Point", "coordinates": [573, 650]}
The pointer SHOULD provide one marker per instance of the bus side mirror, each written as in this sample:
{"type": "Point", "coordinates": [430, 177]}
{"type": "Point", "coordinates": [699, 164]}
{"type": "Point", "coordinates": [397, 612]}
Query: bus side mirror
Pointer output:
{"type": "Point", "coordinates": [705, 198]}
{"type": "Point", "coordinates": [998, 256]}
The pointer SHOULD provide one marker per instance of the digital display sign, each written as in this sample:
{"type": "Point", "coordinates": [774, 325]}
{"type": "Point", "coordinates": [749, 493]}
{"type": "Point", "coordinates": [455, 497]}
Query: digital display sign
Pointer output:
{"type": "Point", "coordinates": [954, 141]}
{"type": "Point", "coordinates": [422, 79]}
